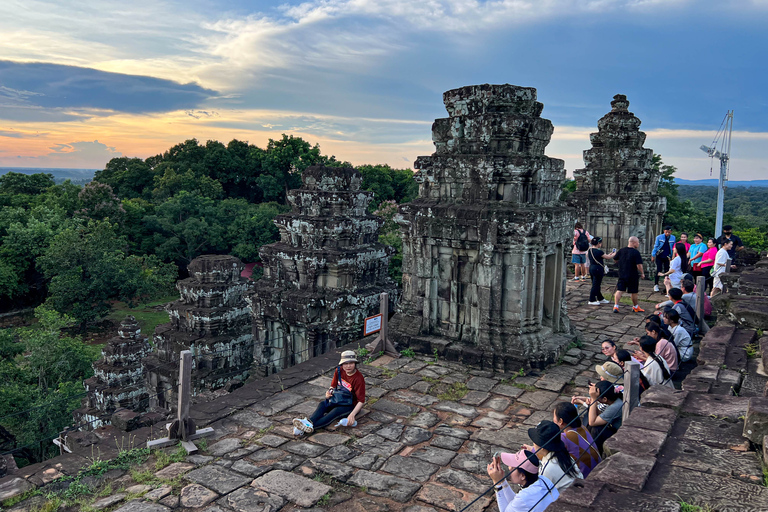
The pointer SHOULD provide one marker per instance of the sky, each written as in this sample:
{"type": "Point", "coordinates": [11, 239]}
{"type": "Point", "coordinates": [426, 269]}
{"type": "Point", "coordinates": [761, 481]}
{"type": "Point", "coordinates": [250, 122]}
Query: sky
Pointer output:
{"type": "Point", "coordinates": [82, 82]}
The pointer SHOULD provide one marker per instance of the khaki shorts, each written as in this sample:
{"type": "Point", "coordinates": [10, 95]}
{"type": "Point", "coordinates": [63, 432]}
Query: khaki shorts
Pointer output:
{"type": "Point", "coordinates": [717, 283]}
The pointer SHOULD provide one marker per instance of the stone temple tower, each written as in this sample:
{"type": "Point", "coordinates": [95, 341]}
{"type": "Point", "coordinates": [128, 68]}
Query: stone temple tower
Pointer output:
{"type": "Point", "coordinates": [326, 273]}
{"type": "Point", "coordinates": [483, 244]}
{"type": "Point", "coordinates": [617, 193]}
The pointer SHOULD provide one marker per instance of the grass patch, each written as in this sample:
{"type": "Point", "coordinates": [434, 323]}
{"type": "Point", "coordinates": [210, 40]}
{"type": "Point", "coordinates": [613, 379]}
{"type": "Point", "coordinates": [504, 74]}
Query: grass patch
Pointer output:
{"type": "Point", "coordinates": [164, 458]}
{"type": "Point", "coordinates": [19, 498]}
{"type": "Point", "coordinates": [145, 314]}
{"type": "Point", "coordinates": [526, 387]}
{"type": "Point", "coordinates": [455, 392]}
{"type": "Point", "coordinates": [689, 507]}
{"type": "Point", "coordinates": [386, 372]}
{"type": "Point", "coordinates": [203, 444]}
{"type": "Point", "coordinates": [431, 380]}
{"type": "Point", "coordinates": [51, 505]}
{"type": "Point", "coordinates": [143, 477]}
{"type": "Point", "coordinates": [324, 499]}
{"type": "Point", "coordinates": [408, 352]}
{"type": "Point", "coordinates": [372, 400]}
{"type": "Point", "coordinates": [752, 350]}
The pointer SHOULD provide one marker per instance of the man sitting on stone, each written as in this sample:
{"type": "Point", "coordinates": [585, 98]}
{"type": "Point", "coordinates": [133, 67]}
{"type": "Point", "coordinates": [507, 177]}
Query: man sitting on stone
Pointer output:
{"type": "Point", "coordinates": [689, 296]}
{"type": "Point", "coordinates": [630, 272]}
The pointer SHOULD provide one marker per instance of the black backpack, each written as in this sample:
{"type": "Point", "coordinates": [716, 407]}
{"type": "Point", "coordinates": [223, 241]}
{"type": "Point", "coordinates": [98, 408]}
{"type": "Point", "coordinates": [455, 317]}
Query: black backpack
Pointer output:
{"type": "Point", "coordinates": [582, 242]}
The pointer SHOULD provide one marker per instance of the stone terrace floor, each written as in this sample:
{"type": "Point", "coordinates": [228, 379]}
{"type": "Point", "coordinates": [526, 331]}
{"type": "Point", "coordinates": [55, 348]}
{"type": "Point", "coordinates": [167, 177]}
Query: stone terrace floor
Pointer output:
{"type": "Point", "coordinates": [422, 443]}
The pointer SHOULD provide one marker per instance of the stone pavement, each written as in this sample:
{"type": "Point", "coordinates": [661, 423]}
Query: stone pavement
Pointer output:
{"type": "Point", "coordinates": [422, 444]}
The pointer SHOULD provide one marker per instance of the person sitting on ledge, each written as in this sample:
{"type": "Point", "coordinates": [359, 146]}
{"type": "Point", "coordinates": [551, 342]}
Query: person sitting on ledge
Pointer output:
{"type": "Point", "coordinates": [556, 462]}
{"type": "Point", "coordinates": [655, 368]}
{"type": "Point", "coordinates": [536, 493]}
{"type": "Point", "coordinates": [678, 335]}
{"type": "Point", "coordinates": [664, 347]}
{"type": "Point", "coordinates": [345, 397]}
{"type": "Point", "coordinates": [578, 441]}
{"type": "Point", "coordinates": [602, 425]}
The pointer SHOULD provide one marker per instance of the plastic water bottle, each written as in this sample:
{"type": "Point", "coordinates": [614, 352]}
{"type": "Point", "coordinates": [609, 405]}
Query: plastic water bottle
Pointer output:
{"type": "Point", "coordinates": [345, 423]}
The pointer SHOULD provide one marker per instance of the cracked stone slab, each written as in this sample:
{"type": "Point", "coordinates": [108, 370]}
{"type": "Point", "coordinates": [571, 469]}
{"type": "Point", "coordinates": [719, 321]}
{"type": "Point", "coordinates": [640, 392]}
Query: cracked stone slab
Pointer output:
{"type": "Point", "coordinates": [489, 422]}
{"type": "Point", "coordinates": [456, 408]}
{"type": "Point", "coordinates": [328, 439]}
{"type": "Point", "coordinates": [381, 417]}
{"type": "Point", "coordinates": [414, 469]}
{"type": "Point", "coordinates": [289, 462]}
{"type": "Point", "coordinates": [413, 397]}
{"type": "Point", "coordinates": [250, 500]}
{"type": "Point", "coordinates": [252, 419]}
{"type": "Point", "coordinates": [340, 453]}
{"type": "Point", "coordinates": [481, 383]}
{"type": "Point", "coordinates": [386, 486]}
{"type": "Point", "coordinates": [272, 440]}
{"type": "Point", "coordinates": [451, 499]}
{"type": "Point", "coordinates": [250, 470]}
{"type": "Point", "coordinates": [172, 471]}
{"type": "Point", "coordinates": [447, 442]}
{"type": "Point", "coordinates": [462, 480]}
{"type": "Point", "coordinates": [391, 432]}
{"type": "Point", "coordinates": [473, 463]}
{"type": "Point", "coordinates": [507, 390]}
{"type": "Point", "coordinates": [266, 454]}
{"type": "Point", "coordinates": [159, 493]}
{"type": "Point", "coordinates": [217, 478]}
{"type": "Point", "coordinates": [552, 382]}
{"type": "Point", "coordinates": [305, 449]}
{"type": "Point", "coordinates": [13, 487]}
{"type": "Point", "coordinates": [424, 420]}
{"type": "Point", "coordinates": [337, 470]}
{"type": "Point", "coordinates": [434, 455]}
{"type": "Point", "coordinates": [415, 435]}
{"type": "Point", "coordinates": [199, 460]}
{"type": "Point", "coordinates": [278, 403]}
{"type": "Point", "coordinates": [475, 397]}
{"type": "Point", "coordinates": [445, 430]}
{"type": "Point", "coordinates": [142, 506]}
{"type": "Point", "coordinates": [295, 488]}
{"type": "Point", "coordinates": [394, 408]}
{"type": "Point", "coordinates": [225, 446]}
{"type": "Point", "coordinates": [368, 461]}
{"type": "Point", "coordinates": [378, 445]}
{"type": "Point", "coordinates": [538, 399]}
{"type": "Point", "coordinates": [401, 381]}
{"type": "Point", "coordinates": [195, 496]}
{"type": "Point", "coordinates": [108, 501]}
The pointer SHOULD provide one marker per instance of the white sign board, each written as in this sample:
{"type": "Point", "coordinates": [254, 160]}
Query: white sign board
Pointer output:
{"type": "Point", "coordinates": [372, 325]}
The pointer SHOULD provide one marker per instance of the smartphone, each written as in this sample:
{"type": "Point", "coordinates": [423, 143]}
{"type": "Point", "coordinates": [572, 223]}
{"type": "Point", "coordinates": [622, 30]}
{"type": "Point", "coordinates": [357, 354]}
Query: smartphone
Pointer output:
{"type": "Point", "coordinates": [613, 250]}
{"type": "Point", "coordinates": [497, 457]}
{"type": "Point", "coordinates": [330, 390]}
{"type": "Point", "coordinates": [590, 383]}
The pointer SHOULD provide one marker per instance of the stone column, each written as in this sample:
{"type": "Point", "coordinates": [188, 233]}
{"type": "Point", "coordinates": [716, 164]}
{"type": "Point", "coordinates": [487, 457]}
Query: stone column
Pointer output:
{"type": "Point", "coordinates": [617, 192]}
{"type": "Point", "coordinates": [482, 276]}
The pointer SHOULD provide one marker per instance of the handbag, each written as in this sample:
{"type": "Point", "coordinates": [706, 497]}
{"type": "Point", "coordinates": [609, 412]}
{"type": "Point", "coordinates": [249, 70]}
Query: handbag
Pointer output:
{"type": "Point", "coordinates": [605, 267]}
{"type": "Point", "coordinates": [341, 395]}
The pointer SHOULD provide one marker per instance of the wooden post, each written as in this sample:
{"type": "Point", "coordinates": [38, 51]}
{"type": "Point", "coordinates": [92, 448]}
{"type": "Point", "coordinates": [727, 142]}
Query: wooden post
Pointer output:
{"type": "Point", "coordinates": [631, 388]}
{"type": "Point", "coordinates": [382, 342]}
{"type": "Point", "coordinates": [185, 388]}
{"type": "Point", "coordinates": [182, 430]}
{"type": "Point", "coordinates": [701, 286]}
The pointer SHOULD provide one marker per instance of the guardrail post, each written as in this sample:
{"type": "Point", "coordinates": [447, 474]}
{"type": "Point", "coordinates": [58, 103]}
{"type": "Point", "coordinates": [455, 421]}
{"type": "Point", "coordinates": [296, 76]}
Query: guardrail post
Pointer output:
{"type": "Point", "coordinates": [701, 287]}
{"type": "Point", "coordinates": [382, 343]}
{"type": "Point", "coordinates": [631, 388]}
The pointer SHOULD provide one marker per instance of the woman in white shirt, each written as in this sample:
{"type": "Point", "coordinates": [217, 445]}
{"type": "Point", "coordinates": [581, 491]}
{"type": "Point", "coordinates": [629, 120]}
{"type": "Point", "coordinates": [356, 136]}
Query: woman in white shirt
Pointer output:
{"type": "Point", "coordinates": [537, 492]}
{"type": "Point", "coordinates": [655, 369]}
{"type": "Point", "coordinates": [556, 462]}
{"type": "Point", "coordinates": [677, 267]}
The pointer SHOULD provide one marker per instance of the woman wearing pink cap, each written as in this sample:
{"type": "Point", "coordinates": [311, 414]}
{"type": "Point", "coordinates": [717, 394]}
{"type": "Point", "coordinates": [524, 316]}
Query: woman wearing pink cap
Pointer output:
{"type": "Point", "coordinates": [536, 490]}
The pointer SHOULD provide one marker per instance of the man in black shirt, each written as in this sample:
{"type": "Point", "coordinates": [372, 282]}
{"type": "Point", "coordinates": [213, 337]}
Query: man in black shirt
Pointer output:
{"type": "Point", "coordinates": [738, 245]}
{"type": "Point", "coordinates": [630, 271]}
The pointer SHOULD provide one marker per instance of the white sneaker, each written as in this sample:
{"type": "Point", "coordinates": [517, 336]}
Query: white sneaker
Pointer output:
{"type": "Point", "coordinates": [604, 301]}
{"type": "Point", "coordinates": [596, 303]}
{"type": "Point", "coordinates": [656, 288]}
{"type": "Point", "coordinates": [304, 425]}
{"type": "Point", "coordinates": [297, 432]}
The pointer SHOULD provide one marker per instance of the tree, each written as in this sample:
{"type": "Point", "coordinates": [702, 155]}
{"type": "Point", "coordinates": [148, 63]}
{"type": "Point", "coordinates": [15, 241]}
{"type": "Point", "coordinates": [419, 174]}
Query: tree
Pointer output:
{"type": "Point", "coordinates": [87, 267]}
{"type": "Point", "coordinates": [388, 184]}
{"type": "Point", "coordinates": [282, 164]}
{"type": "Point", "coordinates": [680, 215]}
{"type": "Point", "coordinates": [128, 177]}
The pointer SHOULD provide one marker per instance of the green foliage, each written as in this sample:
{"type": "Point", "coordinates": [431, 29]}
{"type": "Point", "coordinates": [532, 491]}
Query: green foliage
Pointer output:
{"type": "Point", "coordinates": [455, 392]}
{"type": "Point", "coordinates": [752, 350]}
{"type": "Point", "coordinates": [164, 458]}
{"type": "Point", "coordinates": [388, 184]}
{"type": "Point", "coordinates": [754, 237]}
{"type": "Point", "coordinates": [567, 188]}
{"type": "Point", "coordinates": [408, 352]}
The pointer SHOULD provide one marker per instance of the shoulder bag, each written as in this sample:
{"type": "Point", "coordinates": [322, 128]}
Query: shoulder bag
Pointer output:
{"type": "Point", "coordinates": [341, 395]}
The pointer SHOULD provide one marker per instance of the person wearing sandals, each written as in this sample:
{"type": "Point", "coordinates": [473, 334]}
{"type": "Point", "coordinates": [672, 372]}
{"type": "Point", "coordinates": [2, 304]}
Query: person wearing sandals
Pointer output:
{"type": "Point", "coordinates": [595, 257]}
{"type": "Point", "coordinates": [344, 398]}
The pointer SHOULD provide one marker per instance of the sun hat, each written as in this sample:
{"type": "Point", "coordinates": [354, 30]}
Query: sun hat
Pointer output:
{"type": "Point", "coordinates": [610, 371]}
{"type": "Point", "coordinates": [348, 356]}
{"type": "Point", "coordinates": [546, 435]}
{"type": "Point", "coordinates": [519, 459]}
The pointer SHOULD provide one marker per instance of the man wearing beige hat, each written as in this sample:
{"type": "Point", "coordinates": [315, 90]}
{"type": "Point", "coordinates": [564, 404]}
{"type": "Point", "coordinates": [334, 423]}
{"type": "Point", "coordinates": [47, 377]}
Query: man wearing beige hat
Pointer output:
{"type": "Point", "coordinates": [343, 399]}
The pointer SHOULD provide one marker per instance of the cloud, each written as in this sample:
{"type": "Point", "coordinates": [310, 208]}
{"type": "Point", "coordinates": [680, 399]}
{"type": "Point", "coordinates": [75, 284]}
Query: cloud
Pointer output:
{"type": "Point", "coordinates": [79, 154]}
{"type": "Point", "coordinates": [53, 86]}
{"type": "Point", "coordinates": [19, 134]}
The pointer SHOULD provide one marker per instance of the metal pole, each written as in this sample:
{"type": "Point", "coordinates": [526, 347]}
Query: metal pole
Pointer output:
{"type": "Point", "coordinates": [631, 388]}
{"type": "Point", "coordinates": [701, 286]}
{"type": "Point", "coordinates": [721, 196]}
{"type": "Point", "coordinates": [384, 310]}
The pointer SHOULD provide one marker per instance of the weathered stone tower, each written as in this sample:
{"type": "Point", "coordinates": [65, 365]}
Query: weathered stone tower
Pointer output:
{"type": "Point", "coordinates": [118, 379]}
{"type": "Point", "coordinates": [617, 193]}
{"type": "Point", "coordinates": [325, 274]}
{"type": "Point", "coordinates": [212, 320]}
{"type": "Point", "coordinates": [483, 245]}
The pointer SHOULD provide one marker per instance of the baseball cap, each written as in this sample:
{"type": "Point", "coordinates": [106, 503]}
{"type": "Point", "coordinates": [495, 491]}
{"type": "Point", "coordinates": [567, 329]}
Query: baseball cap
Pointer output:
{"type": "Point", "coordinates": [523, 459]}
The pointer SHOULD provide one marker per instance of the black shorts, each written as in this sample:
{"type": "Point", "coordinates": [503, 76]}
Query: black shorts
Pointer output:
{"type": "Point", "coordinates": [631, 285]}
